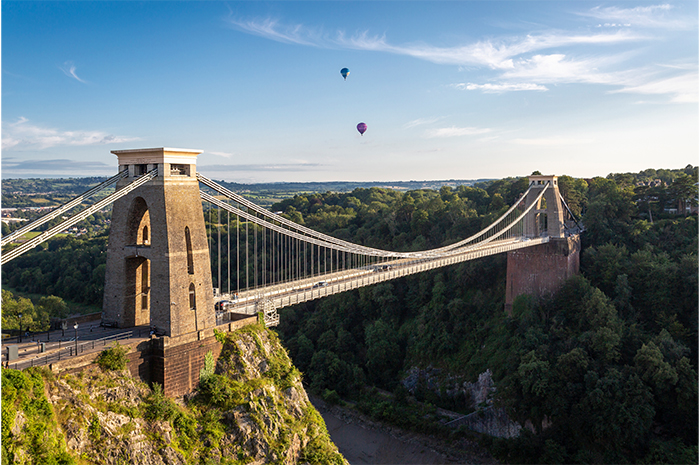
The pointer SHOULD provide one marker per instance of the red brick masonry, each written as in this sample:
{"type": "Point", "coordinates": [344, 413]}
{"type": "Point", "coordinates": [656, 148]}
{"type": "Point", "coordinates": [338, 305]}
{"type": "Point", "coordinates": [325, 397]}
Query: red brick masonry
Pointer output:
{"type": "Point", "coordinates": [541, 270]}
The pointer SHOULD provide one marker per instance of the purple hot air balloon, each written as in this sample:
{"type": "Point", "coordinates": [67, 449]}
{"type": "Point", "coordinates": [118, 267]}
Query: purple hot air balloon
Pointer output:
{"type": "Point", "coordinates": [362, 127]}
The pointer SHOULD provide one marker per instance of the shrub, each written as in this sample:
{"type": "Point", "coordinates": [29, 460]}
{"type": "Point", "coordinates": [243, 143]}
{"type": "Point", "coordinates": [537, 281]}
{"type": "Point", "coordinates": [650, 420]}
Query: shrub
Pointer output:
{"type": "Point", "coordinates": [209, 366]}
{"type": "Point", "coordinates": [159, 407]}
{"type": "Point", "coordinates": [331, 397]}
{"type": "Point", "coordinates": [113, 359]}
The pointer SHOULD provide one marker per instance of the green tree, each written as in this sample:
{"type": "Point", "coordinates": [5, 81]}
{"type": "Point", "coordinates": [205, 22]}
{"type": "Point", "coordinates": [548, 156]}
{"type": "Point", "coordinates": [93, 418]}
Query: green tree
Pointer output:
{"type": "Point", "coordinates": [382, 352]}
{"type": "Point", "coordinates": [31, 319]}
{"type": "Point", "coordinates": [685, 191]}
{"type": "Point", "coordinates": [54, 306]}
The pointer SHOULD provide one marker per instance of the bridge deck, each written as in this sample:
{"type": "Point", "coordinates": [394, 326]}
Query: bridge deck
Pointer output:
{"type": "Point", "coordinates": [295, 292]}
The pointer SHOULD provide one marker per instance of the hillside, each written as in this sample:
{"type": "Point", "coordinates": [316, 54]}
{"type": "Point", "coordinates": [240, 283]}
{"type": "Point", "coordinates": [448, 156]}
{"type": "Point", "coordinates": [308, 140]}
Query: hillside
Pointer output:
{"type": "Point", "coordinates": [606, 368]}
{"type": "Point", "coordinates": [250, 408]}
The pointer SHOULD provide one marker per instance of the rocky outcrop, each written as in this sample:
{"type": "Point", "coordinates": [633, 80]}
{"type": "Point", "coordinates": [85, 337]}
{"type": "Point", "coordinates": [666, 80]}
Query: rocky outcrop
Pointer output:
{"type": "Point", "coordinates": [486, 418]}
{"type": "Point", "coordinates": [251, 409]}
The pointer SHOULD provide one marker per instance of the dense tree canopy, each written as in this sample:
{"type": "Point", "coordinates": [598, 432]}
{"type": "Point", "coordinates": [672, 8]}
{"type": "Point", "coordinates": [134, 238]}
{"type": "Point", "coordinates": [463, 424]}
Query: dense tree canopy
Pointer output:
{"type": "Point", "coordinates": [586, 367]}
{"type": "Point", "coordinates": [605, 370]}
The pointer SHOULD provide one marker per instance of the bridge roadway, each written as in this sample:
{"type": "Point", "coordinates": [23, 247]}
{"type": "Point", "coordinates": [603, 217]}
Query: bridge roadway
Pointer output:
{"type": "Point", "coordinates": [93, 338]}
{"type": "Point", "coordinates": [304, 290]}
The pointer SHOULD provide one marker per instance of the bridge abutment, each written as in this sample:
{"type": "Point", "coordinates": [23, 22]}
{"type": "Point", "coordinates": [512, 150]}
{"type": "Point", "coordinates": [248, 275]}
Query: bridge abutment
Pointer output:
{"type": "Point", "coordinates": [174, 363]}
{"type": "Point", "coordinates": [540, 270]}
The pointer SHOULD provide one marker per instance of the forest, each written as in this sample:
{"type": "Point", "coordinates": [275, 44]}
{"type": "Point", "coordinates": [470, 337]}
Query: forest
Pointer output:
{"type": "Point", "coordinates": [605, 370]}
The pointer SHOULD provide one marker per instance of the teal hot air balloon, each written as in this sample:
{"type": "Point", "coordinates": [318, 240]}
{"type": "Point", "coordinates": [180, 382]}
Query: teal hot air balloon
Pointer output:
{"type": "Point", "coordinates": [345, 73]}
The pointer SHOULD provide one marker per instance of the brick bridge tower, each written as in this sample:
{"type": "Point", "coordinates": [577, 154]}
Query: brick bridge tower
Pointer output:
{"type": "Point", "coordinates": [158, 270]}
{"type": "Point", "coordinates": [541, 270]}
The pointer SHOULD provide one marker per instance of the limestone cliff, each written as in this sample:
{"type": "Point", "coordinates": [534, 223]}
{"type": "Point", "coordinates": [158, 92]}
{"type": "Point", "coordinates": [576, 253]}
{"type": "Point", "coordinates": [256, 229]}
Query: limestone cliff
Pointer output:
{"type": "Point", "coordinates": [249, 408]}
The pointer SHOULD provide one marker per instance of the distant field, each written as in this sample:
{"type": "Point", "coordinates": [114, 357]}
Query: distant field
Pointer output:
{"type": "Point", "coordinates": [33, 234]}
{"type": "Point", "coordinates": [28, 236]}
{"type": "Point", "coordinates": [41, 201]}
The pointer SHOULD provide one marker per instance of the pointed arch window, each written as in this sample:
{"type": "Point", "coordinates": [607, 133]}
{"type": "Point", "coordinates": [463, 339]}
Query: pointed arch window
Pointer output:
{"type": "Point", "coordinates": [193, 299]}
{"type": "Point", "coordinates": [188, 244]}
{"type": "Point", "coordinates": [146, 240]}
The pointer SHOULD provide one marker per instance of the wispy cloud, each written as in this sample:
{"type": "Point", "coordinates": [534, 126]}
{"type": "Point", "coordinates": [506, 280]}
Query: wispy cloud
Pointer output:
{"type": "Point", "coordinates": [68, 69]}
{"type": "Point", "coordinates": [652, 16]}
{"type": "Point", "coordinates": [456, 132]}
{"type": "Point", "coordinates": [274, 30]}
{"type": "Point", "coordinates": [552, 141]}
{"type": "Point", "coordinates": [500, 88]}
{"type": "Point", "coordinates": [21, 133]}
{"type": "Point", "coordinates": [683, 88]}
{"type": "Point", "coordinates": [557, 68]}
{"type": "Point", "coordinates": [221, 154]}
{"type": "Point", "coordinates": [496, 54]}
{"type": "Point", "coordinates": [62, 165]}
{"type": "Point", "coordinates": [521, 63]}
{"type": "Point", "coordinates": [420, 122]}
{"type": "Point", "coordinates": [261, 167]}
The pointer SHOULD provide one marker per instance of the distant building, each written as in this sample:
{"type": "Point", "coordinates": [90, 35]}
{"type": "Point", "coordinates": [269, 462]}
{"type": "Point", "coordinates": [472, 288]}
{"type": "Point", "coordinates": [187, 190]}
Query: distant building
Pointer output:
{"type": "Point", "coordinates": [653, 183]}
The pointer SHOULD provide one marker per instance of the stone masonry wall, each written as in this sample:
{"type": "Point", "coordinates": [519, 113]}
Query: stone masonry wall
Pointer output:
{"type": "Point", "coordinates": [541, 270]}
{"type": "Point", "coordinates": [174, 363]}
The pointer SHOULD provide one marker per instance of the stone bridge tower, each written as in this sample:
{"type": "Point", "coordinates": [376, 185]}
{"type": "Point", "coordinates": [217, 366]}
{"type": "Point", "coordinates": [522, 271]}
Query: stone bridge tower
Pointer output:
{"type": "Point", "coordinates": [158, 271]}
{"type": "Point", "coordinates": [541, 270]}
{"type": "Point", "coordinates": [548, 216]}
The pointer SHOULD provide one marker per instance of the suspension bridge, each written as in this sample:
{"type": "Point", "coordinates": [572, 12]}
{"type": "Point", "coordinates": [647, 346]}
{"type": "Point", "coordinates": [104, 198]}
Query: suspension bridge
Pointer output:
{"type": "Point", "coordinates": [171, 270]}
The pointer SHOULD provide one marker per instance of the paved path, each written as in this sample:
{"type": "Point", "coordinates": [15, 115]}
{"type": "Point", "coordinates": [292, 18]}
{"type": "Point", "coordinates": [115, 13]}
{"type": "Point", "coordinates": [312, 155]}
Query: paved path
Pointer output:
{"type": "Point", "coordinates": [65, 341]}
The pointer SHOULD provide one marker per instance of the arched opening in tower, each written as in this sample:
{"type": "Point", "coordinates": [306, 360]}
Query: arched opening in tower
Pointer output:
{"type": "Point", "coordinates": [138, 224]}
{"type": "Point", "coordinates": [137, 301]}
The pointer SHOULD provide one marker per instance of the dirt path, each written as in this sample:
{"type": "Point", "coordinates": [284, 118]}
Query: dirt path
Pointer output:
{"type": "Point", "coordinates": [362, 441]}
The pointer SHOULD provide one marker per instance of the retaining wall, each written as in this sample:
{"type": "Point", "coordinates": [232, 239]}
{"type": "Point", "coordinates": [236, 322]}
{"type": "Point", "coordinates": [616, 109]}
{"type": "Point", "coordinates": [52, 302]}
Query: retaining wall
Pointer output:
{"type": "Point", "coordinates": [174, 363]}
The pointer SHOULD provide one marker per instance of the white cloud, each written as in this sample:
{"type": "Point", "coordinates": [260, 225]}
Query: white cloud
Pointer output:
{"type": "Point", "coordinates": [556, 68]}
{"type": "Point", "coordinates": [272, 29]}
{"type": "Point", "coordinates": [496, 54]}
{"type": "Point", "coordinates": [420, 122]}
{"type": "Point", "coordinates": [221, 154]}
{"type": "Point", "coordinates": [653, 16]}
{"type": "Point", "coordinates": [68, 69]}
{"type": "Point", "coordinates": [683, 88]}
{"type": "Point", "coordinates": [499, 88]}
{"type": "Point", "coordinates": [53, 166]}
{"type": "Point", "coordinates": [519, 62]}
{"type": "Point", "coordinates": [456, 132]}
{"type": "Point", "coordinates": [22, 133]}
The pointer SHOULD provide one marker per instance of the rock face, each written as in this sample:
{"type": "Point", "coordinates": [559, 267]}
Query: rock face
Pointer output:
{"type": "Point", "coordinates": [252, 408]}
{"type": "Point", "coordinates": [487, 418]}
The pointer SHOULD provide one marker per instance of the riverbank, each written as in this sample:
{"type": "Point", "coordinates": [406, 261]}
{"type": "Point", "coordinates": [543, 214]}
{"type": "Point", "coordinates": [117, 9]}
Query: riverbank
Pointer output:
{"type": "Point", "coordinates": [364, 441]}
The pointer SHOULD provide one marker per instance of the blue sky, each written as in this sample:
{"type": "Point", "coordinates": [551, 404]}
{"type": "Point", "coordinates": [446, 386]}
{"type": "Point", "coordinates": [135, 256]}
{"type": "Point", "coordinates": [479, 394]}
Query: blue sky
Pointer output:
{"type": "Point", "coordinates": [448, 90]}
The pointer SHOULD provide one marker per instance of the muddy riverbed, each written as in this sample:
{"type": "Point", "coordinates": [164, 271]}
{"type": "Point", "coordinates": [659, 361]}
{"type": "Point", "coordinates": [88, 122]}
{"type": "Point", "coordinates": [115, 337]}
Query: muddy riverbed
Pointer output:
{"type": "Point", "coordinates": [362, 441]}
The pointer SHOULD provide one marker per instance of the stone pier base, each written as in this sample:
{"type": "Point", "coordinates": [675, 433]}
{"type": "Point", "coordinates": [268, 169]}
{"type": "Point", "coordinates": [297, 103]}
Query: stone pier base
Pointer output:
{"type": "Point", "coordinates": [541, 270]}
{"type": "Point", "coordinates": [174, 363]}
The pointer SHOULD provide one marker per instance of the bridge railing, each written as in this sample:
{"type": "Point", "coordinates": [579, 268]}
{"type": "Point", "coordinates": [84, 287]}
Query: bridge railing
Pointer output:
{"type": "Point", "coordinates": [71, 350]}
